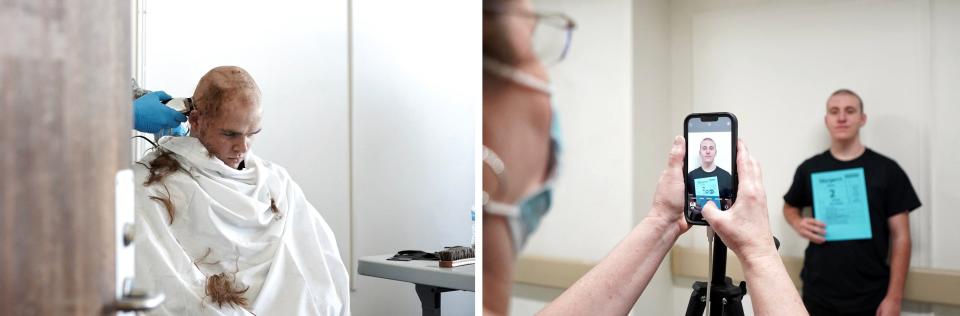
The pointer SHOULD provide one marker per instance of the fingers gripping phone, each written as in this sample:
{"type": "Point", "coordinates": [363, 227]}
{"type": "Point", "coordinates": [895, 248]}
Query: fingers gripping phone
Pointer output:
{"type": "Point", "coordinates": [710, 164]}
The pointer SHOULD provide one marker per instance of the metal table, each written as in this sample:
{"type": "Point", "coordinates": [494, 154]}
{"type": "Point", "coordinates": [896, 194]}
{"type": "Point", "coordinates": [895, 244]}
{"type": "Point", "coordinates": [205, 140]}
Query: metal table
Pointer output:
{"type": "Point", "coordinates": [429, 279]}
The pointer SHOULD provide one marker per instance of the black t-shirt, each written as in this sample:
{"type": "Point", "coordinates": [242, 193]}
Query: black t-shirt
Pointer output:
{"type": "Point", "coordinates": [724, 180]}
{"type": "Point", "coordinates": [853, 275]}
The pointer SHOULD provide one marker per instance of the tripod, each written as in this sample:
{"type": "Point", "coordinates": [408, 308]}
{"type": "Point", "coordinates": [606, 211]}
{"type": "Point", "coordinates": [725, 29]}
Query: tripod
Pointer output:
{"type": "Point", "coordinates": [725, 298]}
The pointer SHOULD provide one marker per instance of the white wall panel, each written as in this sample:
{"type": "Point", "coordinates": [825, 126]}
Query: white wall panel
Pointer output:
{"type": "Point", "coordinates": [416, 94]}
{"type": "Point", "coordinates": [775, 67]}
{"type": "Point", "coordinates": [593, 201]}
{"type": "Point", "coordinates": [593, 102]}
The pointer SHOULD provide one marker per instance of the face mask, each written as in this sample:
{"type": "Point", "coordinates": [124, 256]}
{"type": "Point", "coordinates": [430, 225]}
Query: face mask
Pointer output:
{"type": "Point", "coordinates": [524, 217]}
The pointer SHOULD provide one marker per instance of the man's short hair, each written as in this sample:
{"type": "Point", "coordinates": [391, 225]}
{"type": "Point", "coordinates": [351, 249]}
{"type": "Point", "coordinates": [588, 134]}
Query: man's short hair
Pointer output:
{"type": "Point", "coordinates": [710, 139]}
{"type": "Point", "coordinates": [848, 92]}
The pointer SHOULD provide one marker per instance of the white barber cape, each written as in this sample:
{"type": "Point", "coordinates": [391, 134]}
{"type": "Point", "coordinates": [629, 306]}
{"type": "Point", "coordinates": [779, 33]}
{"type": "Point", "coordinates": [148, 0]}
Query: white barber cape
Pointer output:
{"type": "Point", "coordinates": [224, 224]}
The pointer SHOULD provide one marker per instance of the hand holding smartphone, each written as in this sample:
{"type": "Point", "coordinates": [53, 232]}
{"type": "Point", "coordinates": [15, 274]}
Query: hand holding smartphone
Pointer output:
{"type": "Point", "coordinates": [710, 165]}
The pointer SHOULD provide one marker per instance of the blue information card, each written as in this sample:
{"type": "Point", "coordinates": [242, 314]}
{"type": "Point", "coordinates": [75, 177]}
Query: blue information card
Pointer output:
{"type": "Point", "coordinates": [840, 202]}
{"type": "Point", "coordinates": [707, 189]}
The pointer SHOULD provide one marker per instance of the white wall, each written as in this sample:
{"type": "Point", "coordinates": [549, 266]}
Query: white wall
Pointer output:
{"type": "Point", "coordinates": [945, 67]}
{"type": "Point", "coordinates": [592, 101]}
{"type": "Point", "coordinates": [387, 155]}
{"type": "Point", "coordinates": [416, 83]}
{"type": "Point", "coordinates": [945, 134]}
{"type": "Point", "coordinates": [593, 204]}
{"type": "Point", "coordinates": [774, 65]}
{"type": "Point", "coordinates": [759, 64]}
{"type": "Point", "coordinates": [653, 133]}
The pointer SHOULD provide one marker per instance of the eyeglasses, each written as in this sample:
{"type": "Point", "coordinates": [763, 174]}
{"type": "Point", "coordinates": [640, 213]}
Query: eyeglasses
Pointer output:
{"type": "Point", "coordinates": [551, 35]}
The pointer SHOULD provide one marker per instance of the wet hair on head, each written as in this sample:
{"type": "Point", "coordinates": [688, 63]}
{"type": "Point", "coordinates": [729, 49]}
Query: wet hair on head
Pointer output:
{"type": "Point", "coordinates": [222, 85]}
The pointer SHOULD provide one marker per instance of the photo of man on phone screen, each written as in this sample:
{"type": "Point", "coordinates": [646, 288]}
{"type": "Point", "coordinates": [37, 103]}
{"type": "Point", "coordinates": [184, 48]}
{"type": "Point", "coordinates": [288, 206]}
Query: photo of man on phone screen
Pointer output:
{"type": "Point", "coordinates": [709, 181]}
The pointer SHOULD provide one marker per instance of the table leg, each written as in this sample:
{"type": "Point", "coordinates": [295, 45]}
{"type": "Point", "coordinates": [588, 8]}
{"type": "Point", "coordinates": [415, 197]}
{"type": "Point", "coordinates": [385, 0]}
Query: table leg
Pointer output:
{"type": "Point", "coordinates": [430, 298]}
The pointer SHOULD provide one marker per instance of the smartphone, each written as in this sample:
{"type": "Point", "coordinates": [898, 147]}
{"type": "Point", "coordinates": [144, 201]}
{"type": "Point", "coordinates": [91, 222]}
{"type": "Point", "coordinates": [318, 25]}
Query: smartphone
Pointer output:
{"type": "Point", "coordinates": [710, 164]}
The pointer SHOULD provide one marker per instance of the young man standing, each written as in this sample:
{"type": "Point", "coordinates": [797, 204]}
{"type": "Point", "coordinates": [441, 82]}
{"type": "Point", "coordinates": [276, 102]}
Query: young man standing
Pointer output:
{"type": "Point", "coordinates": [861, 204]}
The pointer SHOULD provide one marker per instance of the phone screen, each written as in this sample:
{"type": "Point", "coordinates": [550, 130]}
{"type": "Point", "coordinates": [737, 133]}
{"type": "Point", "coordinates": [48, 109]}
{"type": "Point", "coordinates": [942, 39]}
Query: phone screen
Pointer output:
{"type": "Point", "coordinates": [710, 163]}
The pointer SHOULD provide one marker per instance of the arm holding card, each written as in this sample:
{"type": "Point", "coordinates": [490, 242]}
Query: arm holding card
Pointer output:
{"type": "Point", "coordinates": [808, 227]}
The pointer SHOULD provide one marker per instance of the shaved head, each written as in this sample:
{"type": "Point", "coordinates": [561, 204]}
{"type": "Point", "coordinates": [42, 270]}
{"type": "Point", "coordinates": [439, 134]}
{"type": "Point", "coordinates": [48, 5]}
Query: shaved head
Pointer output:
{"type": "Point", "coordinates": [226, 113]}
{"type": "Point", "coordinates": [222, 85]}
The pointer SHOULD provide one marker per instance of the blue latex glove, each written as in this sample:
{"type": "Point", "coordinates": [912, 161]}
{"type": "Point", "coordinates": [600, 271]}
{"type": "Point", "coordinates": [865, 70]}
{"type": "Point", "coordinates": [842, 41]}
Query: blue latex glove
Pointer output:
{"type": "Point", "coordinates": [151, 116]}
{"type": "Point", "coordinates": [180, 130]}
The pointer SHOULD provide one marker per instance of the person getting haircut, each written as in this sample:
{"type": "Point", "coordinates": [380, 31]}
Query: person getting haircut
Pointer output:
{"type": "Point", "coordinates": [222, 231]}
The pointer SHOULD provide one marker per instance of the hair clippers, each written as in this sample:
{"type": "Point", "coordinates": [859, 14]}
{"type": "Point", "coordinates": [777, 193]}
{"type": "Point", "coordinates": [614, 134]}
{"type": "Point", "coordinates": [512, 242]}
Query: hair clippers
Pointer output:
{"type": "Point", "coordinates": [182, 105]}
